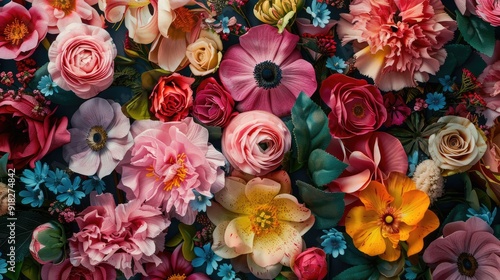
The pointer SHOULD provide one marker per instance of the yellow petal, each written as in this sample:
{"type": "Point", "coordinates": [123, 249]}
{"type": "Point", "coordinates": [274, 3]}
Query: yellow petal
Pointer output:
{"type": "Point", "coordinates": [375, 197]}
{"type": "Point", "coordinates": [397, 184]}
{"type": "Point", "coordinates": [268, 249]}
{"type": "Point", "coordinates": [413, 206]}
{"type": "Point", "coordinates": [232, 197]}
{"type": "Point", "coordinates": [261, 191]}
{"type": "Point", "coordinates": [292, 242]}
{"type": "Point", "coordinates": [364, 230]}
{"type": "Point", "coordinates": [219, 246]}
{"type": "Point", "coordinates": [239, 235]}
{"type": "Point", "coordinates": [371, 64]}
{"type": "Point", "coordinates": [428, 224]}
{"type": "Point", "coordinates": [391, 253]}
{"type": "Point", "coordinates": [289, 209]}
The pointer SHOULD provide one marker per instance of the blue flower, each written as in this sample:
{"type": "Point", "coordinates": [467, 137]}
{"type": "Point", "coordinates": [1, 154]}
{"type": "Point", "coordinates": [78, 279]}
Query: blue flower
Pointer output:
{"type": "Point", "coordinates": [37, 176]}
{"type": "Point", "coordinates": [53, 180]}
{"type": "Point", "coordinates": [224, 21]}
{"type": "Point", "coordinates": [436, 101]}
{"type": "Point", "coordinates": [69, 191]}
{"type": "Point", "coordinates": [226, 272]}
{"type": "Point", "coordinates": [92, 184]}
{"type": "Point", "coordinates": [333, 242]}
{"type": "Point", "coordinates": [47, 86]}
{"type": "Point", "coordinates": [3, 266]}
{"type": "Point", "coordinates": [410, 273]}
{"type": "Point", "coordinates": [33, 196]}
{"type": "Point", "coordinates": [336, 63]}
{"type": "Point", "coordinates": [319, 13]}
{"type": "Point", "coordinates": [447, 83]}
{"type": "Point", "coordinates": [206, 255]}
{"type": "Point", "coordinates": [412, 163]}
{"type": "Point", "coordinates": [200, 202]}
{"type": "Point", "coordinates": [483, 213]}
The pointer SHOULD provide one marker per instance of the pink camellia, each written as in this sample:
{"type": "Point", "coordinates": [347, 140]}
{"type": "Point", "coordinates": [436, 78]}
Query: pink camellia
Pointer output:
{"type": "Point", "coordinates": [489, 11]}
{"type": "Point", "coordinates": [255, 142]}
{"type": "Point", "coordinates": [167, 163]}
{"type": "Point", "coordinates": [82, 60]}
{"type": "Point", "coordinates": [397, 43]}
{"type": "Point", "coordinates": [310, 264]}
{"type": "Point", "coordinates": [22, 30]}
{"type": "Point", "coordinates": [213, 104]}
{"type": "Point", "coordinates": [172, 97]}
{"type": "Point", "coordinates": [357, 107]}
{"type": "Point", "coordinates": [66, 271]}
{"type": "Point", "coordinates": [124, 236]}
{"type": "Point", "coordinates": [266, 72]}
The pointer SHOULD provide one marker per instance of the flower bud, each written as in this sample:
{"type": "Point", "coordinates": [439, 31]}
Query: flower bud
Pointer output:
{"type": "Point", "coordinates": [48, 242]}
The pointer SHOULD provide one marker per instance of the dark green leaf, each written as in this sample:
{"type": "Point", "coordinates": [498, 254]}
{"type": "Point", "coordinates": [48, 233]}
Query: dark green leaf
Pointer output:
{"type": "Point", "coordinates": [50, 254]}
{"type": "Point", "coordinates": [137, 107]}
{"type": "Point", "coordinates": [432, 129]}
{"type": "Point", "coordinates": [3, 165]}
{"type": "Point", "coordinates": [13, 275]}
{"type": "Point", "coordinates": [359, 272]}
{"type": "Point", "coordinates": [478, 33]}
{"type": "Point", "coordinates": [174, 241]}
{"type": "Point", "coordinates": [324, 167]}
{"type": "Point", "coordinates": [31, 269]}
{"type": "Point", "coordinates": [460, 52]}
{"type": "Point", "coordinates": [150, 78]}
{"type": "Point", "coordinates": [458, 213]}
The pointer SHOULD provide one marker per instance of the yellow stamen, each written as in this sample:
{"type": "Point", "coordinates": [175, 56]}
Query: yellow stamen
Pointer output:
{"type": "Point", "coordinates": [180, 173]}
{"type": "Point", "coordinates": [67, 6]}
{"type": "Point", "coordinates": [389, 219]}
{"type": "Point", "coordinates": [265, 219]}
{"type": "Point", "coordinates": [177, 277]}
{"type": "Point", "coordinates": [15, 31]}
{"type": "Point", "coordinates": [138, 3]}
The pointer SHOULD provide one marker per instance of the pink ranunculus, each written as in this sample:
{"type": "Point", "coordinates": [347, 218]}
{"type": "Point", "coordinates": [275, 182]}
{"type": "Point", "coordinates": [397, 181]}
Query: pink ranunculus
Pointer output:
{"type": "Point", "coordinates": [125, 236]}
{"type": "Point", "coordinates": [255, 142]}
{"type": "Point", "coordinates": [22, 30]}
{"type": "Point", "coordinates": [172, 97]}
{"type": "Point", "coordinates": [490, 79]}
{"type": "Point", "coordinates": [28, 129]}
{"type": "Point", "coordinates": [167, 163]}
{"type": "Point", "coordinates": [357, 107]}
{"type": "Point", "coordinates": [213, 104]}
{"type": "Point", "coordinates": [397, 43]}
{"type": "Point", "coordinates": [82, 60]}
{"type": "Point", "coordinates": [310, 264]}
{"type": "Point", "coordinates": [66, 271]}
{"type": "Point", "coordinates": [489, 11]}
{"type": "Point", "coordinates": [397, 111]}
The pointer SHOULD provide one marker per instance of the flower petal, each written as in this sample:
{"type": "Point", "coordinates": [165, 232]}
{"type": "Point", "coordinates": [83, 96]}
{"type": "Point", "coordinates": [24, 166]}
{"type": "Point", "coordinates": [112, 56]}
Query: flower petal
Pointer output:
{"type": "Point", "coordinates": [413, 206]}
{"type": "Point", "coordinates": [268, 249]}
{"type": "Point", "coordinates": [268, 272]}
{"type": "Point", "coordinates": [375, 197]}
{"type": "Point", "coordinates": [289, 208]}
{"type": "Point", "coordinates": [428, 224]}
{"type": "Point", "coordinates": [234, 199]}
{"type": "Point", "coordinates": [397, 184]}
{"type": "Point", "coordinates": [261, 191]}
{"type": "Point", "coordinates": [239, 235]}
{"type": "Point", "coordinates": [362, 226]}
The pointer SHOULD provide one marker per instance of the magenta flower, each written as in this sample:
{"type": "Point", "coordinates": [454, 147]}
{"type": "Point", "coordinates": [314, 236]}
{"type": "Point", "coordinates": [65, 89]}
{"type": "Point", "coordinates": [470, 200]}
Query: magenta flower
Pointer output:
{"type": "Point", "coordinates": [397, 111]}
{"type": "Point", "coordinates": [467, 250]}
{"type": "Point", "coordinates": [66, 271]}
{"type": "Point", "coordinates": [266, 72]}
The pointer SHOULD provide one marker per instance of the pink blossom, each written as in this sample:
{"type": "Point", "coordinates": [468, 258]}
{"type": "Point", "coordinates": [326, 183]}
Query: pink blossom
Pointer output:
{"type": "Point", "coordinates": [66, 271]}
{"type": "Point", "coordinates": [167, 162]}
{"type": "Point", "coordinates": [213, 104]}
{"type": "Point", "coordinates": [397, 111]}
{"type": "Point", "coordinates": [489, 11]}
{"type": "Point", "coordinates": [490, 79]}
{"type": "Point", "coordinates": [397, 43]}
{"type": "Point", "coordinates": [22, 30]}
{"type": "Point", "coordinates": [124, 236]}
{"type": "Point", "coordinates": [266, 72]}
{"type": "Point", "coordinates": [311, 264]}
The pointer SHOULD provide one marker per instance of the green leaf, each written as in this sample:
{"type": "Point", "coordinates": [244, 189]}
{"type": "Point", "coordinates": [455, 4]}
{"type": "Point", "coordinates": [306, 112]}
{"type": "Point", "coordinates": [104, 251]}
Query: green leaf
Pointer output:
{"type": "Point", "coordinates": [359, 272]}
{"type": "Point", "coordinates": [17, 271]}
{"type": "Point", "coordinates": [327, 207]}
{"type": "Point", "coordinates": [31, 269]}
{"type": "Point", "coordinates": [478, 33]}
{"type": "Point", "coordinates": [137, 107]}
{"type": "Point", "coordinates": [50, 254]}
{"type": "Point", "coordinates": [188, 233]}
{"type": "Point", "coordinates": [174, 241]}
{"type": "Point", "coordinates": [150, 78]}
{"type": "Point", "coordinates": [458, 213]}
{"type": "Point", "coordinates": [3, 165]}
{"type": "Point", "coordinates": [324, 167]}
{"type": "Point", "coordinates": [460, 52]}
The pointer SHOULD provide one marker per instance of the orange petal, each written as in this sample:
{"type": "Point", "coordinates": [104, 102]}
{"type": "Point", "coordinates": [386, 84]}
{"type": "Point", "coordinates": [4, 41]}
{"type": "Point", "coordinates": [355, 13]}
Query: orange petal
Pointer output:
{"type": "Point", "coordinates": [428, 224]}
{"type": "Point", "coordinates": [391, 253]}
{"type": "Point", "coordinates": [364, 230]}
{"type": "Point", "coordinates": [239, 235]}
{"type": "Point", "coordinates": [375, 197]}
{"type": "Point", "coordinates": [261, 191]}
{"type": "Point", "coordinates": [397, 184]}
{"type": "Point", "coordinates": [289, 209]}
{"type": "Point", "coordinates": [413, 206]}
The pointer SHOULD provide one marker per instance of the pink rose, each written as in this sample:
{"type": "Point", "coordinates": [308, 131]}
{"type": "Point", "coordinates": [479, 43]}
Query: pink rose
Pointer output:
{"type": "Point", "coordinates": [28, 131]}
{"type": "Point", "coordinates": [255, 142]}
{"type": "Point", "coordinates": [43, 246]}
{"type": "Point", "coordinates": [489, 11]}
{"type": "Point", "coordinates": [310, 264]}
{"type": "Point", "coordinates": [490, 79]}
{"type": "Point", "coordinates": [82, 59]}
{"type": "Point", "coordinates": [489, 165]}
{"type": "Point", "coordinates": [357, 107]}
{"type": "Point", "coordinates": [172, 98]}
{"type": "Point", "coordinates": [21, 30]}
{"type": "Point", "coordinates": [66, 271]}
{"type": "Point", "coordinates": [213, 104]}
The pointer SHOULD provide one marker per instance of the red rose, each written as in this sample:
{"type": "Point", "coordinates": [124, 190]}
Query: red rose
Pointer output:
{"type": "Point", "coordinates": [310, 264]}
{"type": "Point", "coordinates": [172, 97]}
{"type": "Point", "coordinates": [357, 107]}
{"type": "Point", "coordinates": [28, 131]}
{"type": "Point", "coordinates": [213, 104]}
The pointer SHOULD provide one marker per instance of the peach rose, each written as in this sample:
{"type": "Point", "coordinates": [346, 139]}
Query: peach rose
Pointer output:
{"type": "Point", "coordinates": [205, 54]}
{"type": "Point", "coordinates": [82, 59]}
{"type": "Point", "coordinates": [172, 98]}
{"type": "Point", "coordinates": [255, 142]}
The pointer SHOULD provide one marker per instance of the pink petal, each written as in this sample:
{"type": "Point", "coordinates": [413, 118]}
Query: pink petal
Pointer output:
{"type": "Point", "coordinates": [85, 163]}
{"type": "Point", "coordinates": [239, 235]}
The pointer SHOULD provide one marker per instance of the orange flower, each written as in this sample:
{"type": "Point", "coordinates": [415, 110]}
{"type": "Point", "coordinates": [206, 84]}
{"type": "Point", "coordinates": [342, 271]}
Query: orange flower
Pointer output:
{"type": "Point", "coordinates": [390, 215]}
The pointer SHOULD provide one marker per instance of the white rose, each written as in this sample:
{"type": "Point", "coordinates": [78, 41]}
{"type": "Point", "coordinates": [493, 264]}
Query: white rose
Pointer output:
{"type": "Point", "coordinates": [205, 54]}
{"type": "Point", "coordinates": [457, 146]}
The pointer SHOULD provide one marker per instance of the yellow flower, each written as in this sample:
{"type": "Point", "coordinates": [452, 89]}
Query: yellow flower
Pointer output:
{"type": "Point", "coordinates": [390, 215]}
{"type": "Point", "coordinates": [256, 220]}
{"type": "Point", "coordinates": [277, 12]}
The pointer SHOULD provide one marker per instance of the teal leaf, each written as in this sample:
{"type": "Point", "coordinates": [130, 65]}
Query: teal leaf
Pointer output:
{"type": "Point", "coordinates": [460, 52]}
{"type": "Point", "coordinates": [3, 165]}
{"type": "Point", "coordinates": [327, 207]}
{"type": "Point", "coordinates": [359, 272]}
{"type": "Point", "coordinates": [324, 167]}
{"type": "Point", "coordinates": [458, 213]}
{"type": "Point", "coordinates": [478, 33]}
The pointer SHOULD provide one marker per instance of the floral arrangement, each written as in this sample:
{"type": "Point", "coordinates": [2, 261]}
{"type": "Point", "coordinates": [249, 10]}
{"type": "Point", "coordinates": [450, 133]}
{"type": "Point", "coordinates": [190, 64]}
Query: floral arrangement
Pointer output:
{"type": "Point", "coordinates": [236, 139]}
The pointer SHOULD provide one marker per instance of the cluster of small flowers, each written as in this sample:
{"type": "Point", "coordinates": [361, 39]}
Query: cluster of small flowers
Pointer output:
{"type": "Point", "coordinates": [469, 82]}
{"type": "Point", "coordinates": [473, 99]}
{"type": "Point", "coordinates": [420, 104]}
{"type": "Point", "coordinates": [334, 3]}
{"type": "Point", "coordinates": [237, 3]}
{"type": "Point", "coordinates": [204, 235]}
{"type": "Point", "coordinates": [236, 29]}
{"type": "Point", "coordinates": [326, 43]}
{"type": "Point", "coordinates": [65, 214]}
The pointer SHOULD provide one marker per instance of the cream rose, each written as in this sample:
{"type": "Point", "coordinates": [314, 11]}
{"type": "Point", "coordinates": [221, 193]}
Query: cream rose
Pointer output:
{"type": "Point", "coordinates": [457, 146]}
{"type": "Point", "coordinates": [205, 54]}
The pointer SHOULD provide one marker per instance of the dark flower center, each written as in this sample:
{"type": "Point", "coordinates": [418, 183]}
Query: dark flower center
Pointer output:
{"type": "Point", "coordinates": [267, 74]}
{"type": "Point", "coordinates": [467, 264]}
{"type": "Point", "coordinates": [97, 137]}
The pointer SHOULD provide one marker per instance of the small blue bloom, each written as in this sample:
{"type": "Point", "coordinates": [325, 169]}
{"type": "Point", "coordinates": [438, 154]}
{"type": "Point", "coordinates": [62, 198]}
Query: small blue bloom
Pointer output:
{"type": "Point", "coordinates": [447, 83]}
{"type": "Point", "coordinates": [3, 266]}
{"type": "Point", "coordinates": [33, 196]}
{"type": "Point", "coordinates": [94, 184]}
{"type": "Point", "coordinates": [53, 180]}
{"type": "Point", "coordinates": [410, 273]}
{"type": "Point", "coordinates": [483, 213]}
{"type": "Point", "coordinates": [333, 242]}
{"type": "Point", "coordinates": [47, 86]}
{"type": "Point", "coordinates": [206, 255]}
{"type": "Point", "coordinates": [319, 13]}
{"type": "Point", "coordinates": [224, 21]}
{"type": "Point", "coordinates": [336, 63]}
{"type": "Point", "coordinates": [69, 192]}
{"type": "Point", "coordinates": [37, 176]}
{"type": "Point", "coordinates": [412, 163]}
{"type": "Point", "coordinates": [436, 101]}
{"type": "Point", "coordinates": [226, 272]}
{"type": "Point", "coordinates": [200, 202]}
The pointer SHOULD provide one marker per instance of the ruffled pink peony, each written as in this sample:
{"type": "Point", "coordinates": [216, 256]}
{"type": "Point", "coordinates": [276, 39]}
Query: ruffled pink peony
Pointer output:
{"type": "Point", "coordinates": [82, 60]}
{"type": "Point", "coordinates": [266, 71]}
{"type": "Point", "coordinates": [167, 162]}
{"type": "Point", "coordinates": [66, 271]}
{"type": "Point", "coordinates": [213, 104]}
{"type": "Point", "coordinates": [21, 30]}
{"type": "Point", "coordinates": [467, 250]}
{"type": "Point", "coordinates": [397, 43]}
{"type": "Point", "coordinates": [489, 11]}
{"type": "Point", "coordinates": [124, 236]}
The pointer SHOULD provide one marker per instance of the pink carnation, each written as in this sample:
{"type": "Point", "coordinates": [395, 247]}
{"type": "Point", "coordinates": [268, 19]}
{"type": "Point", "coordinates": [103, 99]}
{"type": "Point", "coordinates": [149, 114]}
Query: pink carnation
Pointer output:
{"type": "Point", "coordinates": [398, 42]}
{"type": "Point", "coordinates": [123, 236]}
{"type": "Point", "coordinates": [167, 163]}
{"type": "Point", "coordinates": [489, 11]}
